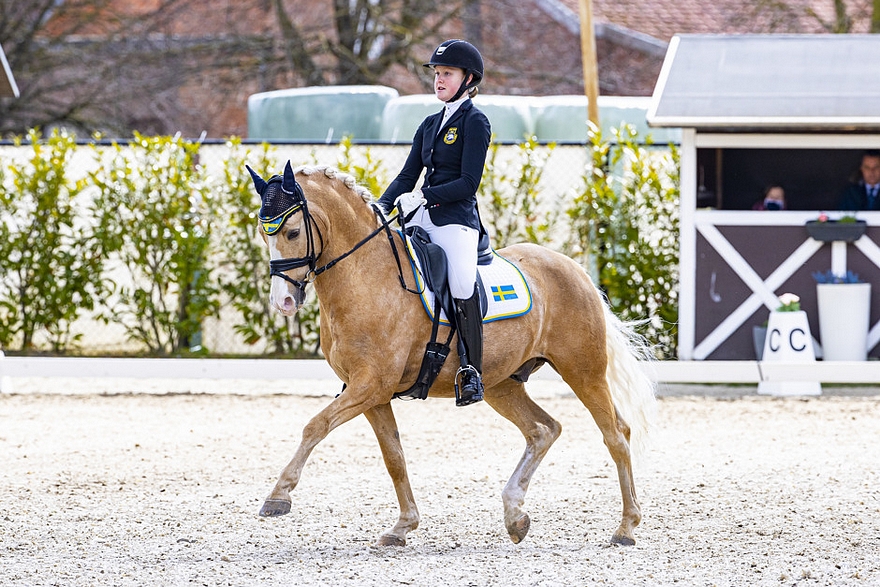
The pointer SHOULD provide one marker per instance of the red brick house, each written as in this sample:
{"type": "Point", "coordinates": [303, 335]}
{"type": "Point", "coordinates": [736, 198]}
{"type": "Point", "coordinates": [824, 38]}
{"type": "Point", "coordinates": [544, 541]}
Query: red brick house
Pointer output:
{"type": "Point", "coordinates": [219, 50]}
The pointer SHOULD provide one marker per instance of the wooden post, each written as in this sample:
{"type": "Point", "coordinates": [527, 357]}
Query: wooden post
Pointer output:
{"type": "Point", "coordinates": [875, 17]}
{"type": "Point", "coordinates": [588, 56]}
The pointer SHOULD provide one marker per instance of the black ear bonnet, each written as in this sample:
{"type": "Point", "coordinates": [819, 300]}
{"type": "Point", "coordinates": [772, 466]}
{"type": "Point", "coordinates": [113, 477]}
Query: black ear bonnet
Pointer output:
{"type": "Point", "coordinates": [281, 196]}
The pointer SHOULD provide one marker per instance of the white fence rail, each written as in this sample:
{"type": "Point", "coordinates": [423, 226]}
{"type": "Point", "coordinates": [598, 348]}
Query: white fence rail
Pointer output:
{"type": "Point", "coordinates": [139, 373]}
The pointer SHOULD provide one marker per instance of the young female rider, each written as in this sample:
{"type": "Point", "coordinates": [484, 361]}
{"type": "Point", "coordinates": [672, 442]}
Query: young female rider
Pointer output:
{"type": "Point", "coordinates": [451, 146]}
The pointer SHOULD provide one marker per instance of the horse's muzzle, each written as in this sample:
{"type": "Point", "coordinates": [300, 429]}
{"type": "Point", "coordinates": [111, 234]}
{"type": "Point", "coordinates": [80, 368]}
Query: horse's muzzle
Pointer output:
{"type": "Point", "coordinates": [286, 297]}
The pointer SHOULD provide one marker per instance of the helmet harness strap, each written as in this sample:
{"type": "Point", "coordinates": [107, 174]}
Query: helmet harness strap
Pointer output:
{"type": "Point", "coordinates": [465, 86]}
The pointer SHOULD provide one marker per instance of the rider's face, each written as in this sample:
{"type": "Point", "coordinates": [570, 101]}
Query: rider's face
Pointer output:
{"type": "Point", "coordinates": [447, 80]}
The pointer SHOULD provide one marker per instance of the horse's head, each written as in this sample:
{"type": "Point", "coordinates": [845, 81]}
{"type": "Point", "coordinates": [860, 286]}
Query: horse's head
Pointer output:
{"type": "Point", "coordinates": [287, 228]}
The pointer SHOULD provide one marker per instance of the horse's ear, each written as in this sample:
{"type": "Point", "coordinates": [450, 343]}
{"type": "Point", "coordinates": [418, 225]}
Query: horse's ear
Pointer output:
{"type": "Point", "coordinates": [259, 182]}
{"type": "Point", "coordinates": [289, 181]}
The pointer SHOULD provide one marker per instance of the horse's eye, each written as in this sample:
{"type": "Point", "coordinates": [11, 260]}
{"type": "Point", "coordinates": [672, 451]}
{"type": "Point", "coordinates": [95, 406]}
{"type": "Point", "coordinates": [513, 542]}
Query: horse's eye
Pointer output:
{"type": "Point", "coordinates": [292, 233]}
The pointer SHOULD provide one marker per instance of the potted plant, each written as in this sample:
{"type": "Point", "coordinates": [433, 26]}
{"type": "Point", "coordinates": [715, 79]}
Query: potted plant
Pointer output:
{"type": "Point", "coordinates": [847, 229]}
{"type": "Point", "coordinates": [844, 315]}
{"type": "Point", "coordinates": [788, 302]}
{"type": "Point", "coordinates": [788, 341]}
{"type": "Point", "coordinates": [787, 335]}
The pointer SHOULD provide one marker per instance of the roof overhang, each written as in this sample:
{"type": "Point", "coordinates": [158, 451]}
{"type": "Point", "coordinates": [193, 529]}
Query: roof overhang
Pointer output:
{"type": "Point", "coordinates": [769, 82]}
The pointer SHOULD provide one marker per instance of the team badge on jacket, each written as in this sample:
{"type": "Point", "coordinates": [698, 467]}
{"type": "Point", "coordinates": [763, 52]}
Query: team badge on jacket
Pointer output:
{"type": "Point", "coordinates": [451, 135]}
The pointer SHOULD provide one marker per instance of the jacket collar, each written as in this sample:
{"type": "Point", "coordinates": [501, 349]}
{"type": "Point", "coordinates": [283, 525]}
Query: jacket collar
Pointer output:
{"type": "Point", "coordinates": [435, 127]}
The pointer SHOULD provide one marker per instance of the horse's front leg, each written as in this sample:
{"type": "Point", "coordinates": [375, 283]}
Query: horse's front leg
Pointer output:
{"type": "Point", "coordinates": [382, 420]}
{"type": "Point", "coordinates": [340, 410]}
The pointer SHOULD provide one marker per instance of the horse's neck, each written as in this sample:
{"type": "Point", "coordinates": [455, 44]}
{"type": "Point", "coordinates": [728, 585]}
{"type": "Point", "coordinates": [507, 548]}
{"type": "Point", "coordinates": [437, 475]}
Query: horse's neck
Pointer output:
{"type": "Point", "coordinates": [365, 272]}
{"type": "Point", "coordinates": [370, 272]}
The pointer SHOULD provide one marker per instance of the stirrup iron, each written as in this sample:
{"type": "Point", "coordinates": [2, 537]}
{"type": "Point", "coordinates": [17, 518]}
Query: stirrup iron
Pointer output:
{"type": "Point", "coordinates": [474, 396]}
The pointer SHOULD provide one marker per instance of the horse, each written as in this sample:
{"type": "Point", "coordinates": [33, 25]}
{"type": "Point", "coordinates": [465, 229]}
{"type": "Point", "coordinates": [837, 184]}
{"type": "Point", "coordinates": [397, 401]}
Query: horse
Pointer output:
{"type": "Point", "coordinates": [374, 330]}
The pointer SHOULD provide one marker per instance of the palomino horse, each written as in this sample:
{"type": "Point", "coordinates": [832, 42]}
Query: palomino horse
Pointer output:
{"type": "Point", "coordinates": [374, 331]}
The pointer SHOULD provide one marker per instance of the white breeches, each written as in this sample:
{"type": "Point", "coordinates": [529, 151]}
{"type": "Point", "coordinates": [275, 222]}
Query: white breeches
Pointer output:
{"type": "Point", "coordinates": [460, 244]}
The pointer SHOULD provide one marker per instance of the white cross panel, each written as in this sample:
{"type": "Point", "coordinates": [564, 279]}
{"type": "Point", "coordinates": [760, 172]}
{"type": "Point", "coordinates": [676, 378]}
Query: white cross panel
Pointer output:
{"type": "Point", "coordinates": [763, 290]}
{"type": "Point", "coordinates": [706, 223]}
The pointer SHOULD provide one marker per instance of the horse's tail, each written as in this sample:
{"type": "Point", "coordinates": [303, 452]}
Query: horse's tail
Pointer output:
{"type": "Point", "coordinates": [632, 389]}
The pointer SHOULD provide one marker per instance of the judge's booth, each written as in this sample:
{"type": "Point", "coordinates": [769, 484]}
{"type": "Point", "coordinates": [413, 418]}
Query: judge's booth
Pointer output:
{"type": "Point", "coordinates": [757, 111]}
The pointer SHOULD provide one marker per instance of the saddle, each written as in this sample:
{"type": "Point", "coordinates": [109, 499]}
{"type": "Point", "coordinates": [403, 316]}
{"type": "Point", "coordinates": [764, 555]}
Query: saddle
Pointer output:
{"type": "Point", "coordinates": [432, 259]}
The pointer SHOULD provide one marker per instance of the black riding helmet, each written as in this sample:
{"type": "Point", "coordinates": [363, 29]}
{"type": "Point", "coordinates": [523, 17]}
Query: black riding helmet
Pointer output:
{"type": "Point", "coordinates": [463, 55]}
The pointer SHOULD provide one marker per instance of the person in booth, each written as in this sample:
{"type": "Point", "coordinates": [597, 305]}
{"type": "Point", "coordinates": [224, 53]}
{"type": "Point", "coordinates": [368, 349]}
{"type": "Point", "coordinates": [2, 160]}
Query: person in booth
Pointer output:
{"type": "Point", "coordinates": [451, 146]}
{"type": "Point", "coordinates": [774, 199]}
{"type": "Point", "coordinates": [865, 193]}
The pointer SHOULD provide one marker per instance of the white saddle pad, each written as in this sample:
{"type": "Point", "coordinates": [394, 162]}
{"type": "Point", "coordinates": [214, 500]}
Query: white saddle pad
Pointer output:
{"type": "Point", "coordinates": [507, 290]}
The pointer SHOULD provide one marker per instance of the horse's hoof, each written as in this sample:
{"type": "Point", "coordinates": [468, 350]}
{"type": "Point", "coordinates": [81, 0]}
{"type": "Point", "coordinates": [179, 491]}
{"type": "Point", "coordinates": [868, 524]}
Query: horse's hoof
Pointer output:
{"type": "Point", "coordinates": [390, 540]}
{"type": "Point", "coordinates": [519, 528]}
{"type": "Point", "coordinates": [623, 540]}
{"type": "Point", "coordinates": [275, 507]}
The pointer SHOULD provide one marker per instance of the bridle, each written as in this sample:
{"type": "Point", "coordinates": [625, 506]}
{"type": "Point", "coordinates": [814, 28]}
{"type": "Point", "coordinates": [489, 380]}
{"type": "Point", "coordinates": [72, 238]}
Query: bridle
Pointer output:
{"type": "Point", "coordinates": [277, 267]}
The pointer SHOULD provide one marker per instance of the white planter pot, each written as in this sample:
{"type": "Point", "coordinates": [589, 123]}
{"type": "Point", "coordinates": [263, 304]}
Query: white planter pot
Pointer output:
{"type": "Point", "coordinates": [788, 338]}
{"type": "Point", "coordinates": [788, 341]}
{"type": "Point", "coordinates": [844, 316]}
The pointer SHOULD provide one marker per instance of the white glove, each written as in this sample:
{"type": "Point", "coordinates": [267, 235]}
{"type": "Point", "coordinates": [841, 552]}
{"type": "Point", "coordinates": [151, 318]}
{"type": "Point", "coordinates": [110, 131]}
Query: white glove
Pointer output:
{"type": "Point", "coordinates": [409, 201]}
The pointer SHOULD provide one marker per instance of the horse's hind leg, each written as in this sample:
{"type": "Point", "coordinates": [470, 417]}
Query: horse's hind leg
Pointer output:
{"type": "Point", "coordinates": [592, 389]}
{"type": "Point", "coordinates": [540, 431]}
{"type": "Point", "coordinates": [382, 420]}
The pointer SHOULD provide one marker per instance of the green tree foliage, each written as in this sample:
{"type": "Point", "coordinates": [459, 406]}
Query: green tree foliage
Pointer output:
{"type": "Point", "coordinates": [511, 199]}
{"type": "Point", "coordinates": [152, 212]}
{"type": "Point", "coordinates": [365, 168]}
{"type": "Point", "coordinates": [243, 272]}
{"type": "Point", "coordinates": [50, 262]}
{"type": "Point", "coordinates": [624, 229]}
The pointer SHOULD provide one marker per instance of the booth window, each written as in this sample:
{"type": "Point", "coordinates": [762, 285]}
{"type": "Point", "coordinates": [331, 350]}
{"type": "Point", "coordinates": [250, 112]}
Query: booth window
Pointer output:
{"type": "Point", "coordinates": [734, 179]}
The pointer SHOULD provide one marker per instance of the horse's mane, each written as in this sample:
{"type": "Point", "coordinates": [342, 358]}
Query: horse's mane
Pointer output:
{"type": "Point", "coordinates": [332, 173]}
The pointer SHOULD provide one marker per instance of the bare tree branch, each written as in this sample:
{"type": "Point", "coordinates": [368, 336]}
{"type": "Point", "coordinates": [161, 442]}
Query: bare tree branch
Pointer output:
{"type": "Point", "coordinates": [86, 65]}
{"type": "Point", "coordinates": [295, 51]}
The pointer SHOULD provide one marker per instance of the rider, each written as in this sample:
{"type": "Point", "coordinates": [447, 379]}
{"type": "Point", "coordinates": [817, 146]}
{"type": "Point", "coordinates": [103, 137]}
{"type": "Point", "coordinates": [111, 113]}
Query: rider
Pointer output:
{"type": "Point", "coordinates": [451, 146]}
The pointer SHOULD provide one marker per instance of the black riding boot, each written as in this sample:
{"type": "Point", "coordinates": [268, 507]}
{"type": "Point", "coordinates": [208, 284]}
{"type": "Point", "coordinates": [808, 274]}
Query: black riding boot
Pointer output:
{"type": "Point", "coordinates": [469, 321]}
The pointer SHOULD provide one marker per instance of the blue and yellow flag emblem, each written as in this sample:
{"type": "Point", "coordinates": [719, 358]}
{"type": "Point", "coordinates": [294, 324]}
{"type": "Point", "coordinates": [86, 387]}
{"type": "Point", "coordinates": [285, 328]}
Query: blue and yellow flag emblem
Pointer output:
{"type": "Point", "coordinates": [503, 293]}
{"type": "Point", "coordinates": [273, 225]}
{"type": "Point", "coordinates": [450, 135]}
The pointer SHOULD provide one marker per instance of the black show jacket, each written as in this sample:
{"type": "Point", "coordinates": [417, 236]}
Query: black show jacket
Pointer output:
{"type": "Point", "coordinates": [453, 159]}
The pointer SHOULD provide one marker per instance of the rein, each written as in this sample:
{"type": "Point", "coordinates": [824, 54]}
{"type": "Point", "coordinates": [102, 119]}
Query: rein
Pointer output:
{"type": "Point", "coordinates": [278, 266]}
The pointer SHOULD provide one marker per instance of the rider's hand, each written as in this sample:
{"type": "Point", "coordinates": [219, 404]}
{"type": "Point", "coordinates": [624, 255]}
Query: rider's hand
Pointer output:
{"type": "Point", "coordinates": [409, 201]}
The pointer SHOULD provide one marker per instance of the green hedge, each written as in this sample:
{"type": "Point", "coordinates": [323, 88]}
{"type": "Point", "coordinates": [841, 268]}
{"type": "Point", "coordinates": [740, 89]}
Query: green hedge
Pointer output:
{"type": "Point", "coordinates": [50, 263]}
{"type": "Point", "coordinates": [157, 245]}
